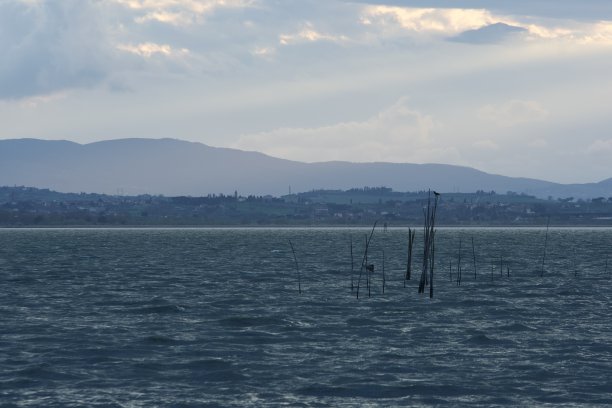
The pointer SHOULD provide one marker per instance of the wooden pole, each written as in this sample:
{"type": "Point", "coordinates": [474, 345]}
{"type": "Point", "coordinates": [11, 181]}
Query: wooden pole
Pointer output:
{"type": "Point", "coordinates": [431, 269]}
{"type": "Point", "coordinates": [365, 257]}
{"type": "Point", "coordinates": [408, 275]}
{"type": "Point", "coordinates": [352, 265]}
{"type": "Point", "coordinates": [297, 268]}
{"type": "Point", "coordinates": [474, 257]}
{"type": "Point", "coordinates": [383, 271]}
{"type": "Point", "coordinates": [459, 264]}
{"type": "Point", "coordinates": [545, 243]}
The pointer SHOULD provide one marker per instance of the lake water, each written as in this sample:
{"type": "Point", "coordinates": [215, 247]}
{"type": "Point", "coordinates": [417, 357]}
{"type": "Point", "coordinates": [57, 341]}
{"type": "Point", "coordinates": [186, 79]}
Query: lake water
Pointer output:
{"type": "Point", "coordinates": [212, 317]}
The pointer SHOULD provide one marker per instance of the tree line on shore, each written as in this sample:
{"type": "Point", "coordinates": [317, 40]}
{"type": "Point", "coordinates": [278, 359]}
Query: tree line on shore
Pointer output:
{"type": "Point", "coordinates": [27, 206]}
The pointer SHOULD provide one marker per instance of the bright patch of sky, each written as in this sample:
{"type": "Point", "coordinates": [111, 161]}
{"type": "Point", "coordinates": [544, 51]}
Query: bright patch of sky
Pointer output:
{"type": "Point", "coordinates": [521, 88]}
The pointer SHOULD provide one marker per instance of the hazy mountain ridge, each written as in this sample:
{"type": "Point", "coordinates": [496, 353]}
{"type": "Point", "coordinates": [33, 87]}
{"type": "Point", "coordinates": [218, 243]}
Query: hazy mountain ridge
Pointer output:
{"type": "Point", "coordinates": [175, 167]}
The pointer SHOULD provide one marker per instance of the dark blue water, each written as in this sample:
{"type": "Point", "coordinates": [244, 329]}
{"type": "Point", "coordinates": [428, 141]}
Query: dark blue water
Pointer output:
{"type": "Point", "coordinates": [181, 318]}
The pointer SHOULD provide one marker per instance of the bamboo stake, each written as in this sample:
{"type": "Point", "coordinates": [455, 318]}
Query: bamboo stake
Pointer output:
{"type": "Point", "coordinates": [408, 275]}
{"type": "Point", "coordinates": [297, 269]}
{"type": "Point", "coordinates": [365, 257]}
{"type": "Point", "coordinates": [367, 268]}
{"type": "Point", "coordinates": [429, 235]}
{"type": "Point", "coordinates": [423, 280]}
{"type": "Point", "coordinates": [459, 264]}
{"type": "Point", "coordinates": [474, 257]}
{"type": "Point", "coordinates": [352, 265]}
{"type": "Point", "coordinates": [383, 270]}
{"type": "Point", "coordinates": [545, 243]}
{"type": "Point", "coordinates": [370, 272]}
{"type": "Point", "coordinates": [431, 269]}
{"type": "Point", "coordinates": [424, 275]}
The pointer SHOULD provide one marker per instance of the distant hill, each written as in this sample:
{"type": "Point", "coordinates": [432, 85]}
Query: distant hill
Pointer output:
{"type": "Point", "coordinates": [174, 167]}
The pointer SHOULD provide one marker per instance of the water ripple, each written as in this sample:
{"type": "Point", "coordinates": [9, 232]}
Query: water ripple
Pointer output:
{"type": "Point", "coordinates": [190, 318]}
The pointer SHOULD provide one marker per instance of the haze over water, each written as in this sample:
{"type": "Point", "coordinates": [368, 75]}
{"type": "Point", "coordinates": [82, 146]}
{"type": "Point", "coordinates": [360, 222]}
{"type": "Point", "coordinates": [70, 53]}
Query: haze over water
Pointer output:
{"type": "Point", "coordinates": [212, 317]}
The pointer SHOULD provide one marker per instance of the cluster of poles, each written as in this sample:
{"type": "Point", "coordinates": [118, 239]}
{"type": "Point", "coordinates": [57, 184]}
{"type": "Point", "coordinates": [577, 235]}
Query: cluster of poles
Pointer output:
{"type": "Point", "coordinates": [426, 280]}
{"type": "Point", "coordinates": [427, 270]}
{"type": "Point", "coordinates": [366, 269]}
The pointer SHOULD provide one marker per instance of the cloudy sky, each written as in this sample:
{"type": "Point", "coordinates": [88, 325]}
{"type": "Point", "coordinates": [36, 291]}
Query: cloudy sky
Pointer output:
{"type": "Point", "coordinates": [514, 87]}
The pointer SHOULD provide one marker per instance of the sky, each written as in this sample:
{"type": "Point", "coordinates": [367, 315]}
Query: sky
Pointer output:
{"type": "Point", "coordinates": [520, 88]}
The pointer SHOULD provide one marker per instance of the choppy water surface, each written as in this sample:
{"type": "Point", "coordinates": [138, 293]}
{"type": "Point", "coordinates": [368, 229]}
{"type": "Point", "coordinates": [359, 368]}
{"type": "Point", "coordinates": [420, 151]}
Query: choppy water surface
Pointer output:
{"type": "Point", "coordinates": [142, 318]}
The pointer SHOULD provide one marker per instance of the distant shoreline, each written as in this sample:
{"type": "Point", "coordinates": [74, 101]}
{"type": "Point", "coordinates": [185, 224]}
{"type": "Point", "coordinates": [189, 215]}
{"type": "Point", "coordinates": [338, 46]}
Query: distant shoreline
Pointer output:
{"type": "Point", "coordinates": [31, 207]}
{"type": "Point", "coordinates": [288, 227]}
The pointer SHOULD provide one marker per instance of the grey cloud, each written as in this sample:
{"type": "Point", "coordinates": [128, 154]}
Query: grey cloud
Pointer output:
{"type": "Point", "coordinates": [237, 31]}
{"type": "Point", "coordinates": [222, 88]}
{"type": "Point", "coordinates": [48, 47]}
{"type": "Point", "coordinates": [492, 33]}
{"type": "Point", "coordinates": [572, 9]}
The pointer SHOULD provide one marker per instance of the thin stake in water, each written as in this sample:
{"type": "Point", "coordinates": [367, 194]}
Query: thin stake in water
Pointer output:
{"type": "Point", "coordinates": [459, 264]}
{"type": "Point", "coordinates": [431, 269]}
{"type": "Point", "coordinates": [474, 257]}
{"type": "Point", "coordinates": [545, 243]}
{"type": "Point", "coordinates": [409, 262]}
{"type": "Point", "coordinates": [365, 258]}
{"type": "Point", "coordinates": [367, 267]}
{"type": "Point", "coordinates": [383, 270]}
{"type": "Point", "coordinates": [429, 236]}
{"type": "Point", "coordinates": [370, 272]}
{"type": "Point", "coordinates": [352, 266]}
{"type": "Point", "coordinates": [297, 268]}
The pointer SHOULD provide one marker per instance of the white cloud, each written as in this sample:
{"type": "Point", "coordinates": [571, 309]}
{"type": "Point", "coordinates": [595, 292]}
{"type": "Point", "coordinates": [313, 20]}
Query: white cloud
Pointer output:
{"type": "Point", "coordinates": [541, 31]}
{"type": "Point", "coordinates": [164, 17]}
{"type": "Point", "coordinates": [309, 34]}
{"type": "Point", "coordinates": [600, 146]}
{"type": "Point", "coordinates": [180, 12]}
{"type": "Point", "coordinates": [594, 33]}
{"type": "Point", "coordinates": [569, 32]}
{"type": "Point", "coordinates": [448, 22]}
{"type": "Point", "coordinates": [35, 101]}
{"type": "Point", "coordinates": [538, 143]}
{"type": "Point", "coordinates": [147, 50]}
{"type": "Point", "coordinates": [263, 52]}
{"type": "Point", "coordinates": [514, 112]}
{"type": "Point", "coordinates": [486, 145]}
{"type": "Point", "coordinates": [31, 2]}
{"type": "Point", "coordinates": [428, 20]}
{"type": "Point", "coordinates": [398, 133]}
{"type": "Point", "coordinates": [599, 33]}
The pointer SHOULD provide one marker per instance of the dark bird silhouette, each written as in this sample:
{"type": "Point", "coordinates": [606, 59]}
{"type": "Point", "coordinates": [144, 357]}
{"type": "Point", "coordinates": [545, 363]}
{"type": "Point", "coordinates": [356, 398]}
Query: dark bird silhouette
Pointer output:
{"type": "Point", "coordinates": [436, 193]}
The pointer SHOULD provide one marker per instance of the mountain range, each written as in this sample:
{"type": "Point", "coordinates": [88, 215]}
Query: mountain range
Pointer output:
{"type": "Point", "coordinates": [175, 167]}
